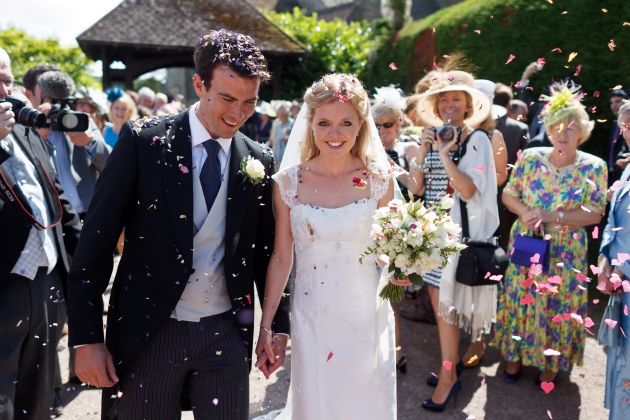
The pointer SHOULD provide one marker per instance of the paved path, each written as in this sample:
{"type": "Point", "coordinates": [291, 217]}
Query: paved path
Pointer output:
{"type": "Point", "coordinates": [578, 394]}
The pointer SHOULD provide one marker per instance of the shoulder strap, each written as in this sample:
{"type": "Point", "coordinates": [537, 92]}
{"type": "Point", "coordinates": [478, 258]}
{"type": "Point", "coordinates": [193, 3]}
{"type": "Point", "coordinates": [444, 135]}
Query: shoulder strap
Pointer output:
{"type": "Point", "coordinates": [464, 212]}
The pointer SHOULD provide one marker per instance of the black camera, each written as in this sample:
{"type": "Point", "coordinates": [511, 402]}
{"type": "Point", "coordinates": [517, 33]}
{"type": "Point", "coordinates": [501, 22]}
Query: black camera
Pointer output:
{"type": "Point", "coordinates": [62, 118]}
{"type": "Point", "coordinates": [447, 131]}
{"type": "Point", "coordinates": [25, 116]}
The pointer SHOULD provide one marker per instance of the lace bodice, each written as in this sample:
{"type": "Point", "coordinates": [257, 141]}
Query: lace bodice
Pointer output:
{"type": "Point", "coordinates": [312, 225]}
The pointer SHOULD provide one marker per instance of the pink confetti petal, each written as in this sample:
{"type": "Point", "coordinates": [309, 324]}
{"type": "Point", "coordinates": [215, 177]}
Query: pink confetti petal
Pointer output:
{"type": "Point", "coordinates": [582, 277]}
{"type": "Point", "coordinates": [588, 322]}
{"type": "Point", "coordinates": [480, 168]}
{"type": "Point", "coordinates": [330, 355]}
{"type": "Point", "coordinates": [183, 169]}
{"type": "Point", "coordinates": [535, 259]}
{"type": "Point", "coordinates": [393, 66]}
{"type": "Point", "coordinates": [527, 299]}
{"type": "Point", "coordinates": [215, 401]}
{"type": "Point", "coordinates": [595, 301]}
{"type": "Point", "coordinates": [547, 387]}
{"type": "Point", "coordinates": [578, 318]}
{"type": "Point", "coordinates": [557, 318]}
{"type": "Point", "coordinates": [595, 232]}
{"type": "Point", "coordinates": [555, 279]}
{"type": "Point", "coordinates": [483, 381]}
{"type": "Point", "coordinates": [595, 270]}
{"type": "Point", "coordinates": [623, 257]}
{"type": "Point", "coordinates": [626, 286]}
{"type": "Point", "coordinates": [549, 414]}
{"type": "Point", "coordinates": [611, 323]}
{"type": "Point", "coordinates": [567, 316]}
{"type": "Point", "coordinates": [448, 365]}
{"type": "Point", "coordinates": [510, 58]}
{"type": "Point", "coordinates": [625, 310]}
{"type": "Point", "coordinates": [601, 286]}
{"type": "Point", "coordinates": [617, 185]}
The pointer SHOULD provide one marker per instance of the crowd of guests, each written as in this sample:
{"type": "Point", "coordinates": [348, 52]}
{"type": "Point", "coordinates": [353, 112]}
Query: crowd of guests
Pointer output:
{"type": "Point", "coordinates": [511, 178]}
{"type": "Point", "coordinates": [520, 181]}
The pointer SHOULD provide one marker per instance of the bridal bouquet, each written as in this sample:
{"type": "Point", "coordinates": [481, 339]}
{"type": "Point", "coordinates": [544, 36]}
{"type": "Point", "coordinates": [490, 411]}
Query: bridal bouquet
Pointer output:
{"type": "Point", "coordinates": [416, 240]}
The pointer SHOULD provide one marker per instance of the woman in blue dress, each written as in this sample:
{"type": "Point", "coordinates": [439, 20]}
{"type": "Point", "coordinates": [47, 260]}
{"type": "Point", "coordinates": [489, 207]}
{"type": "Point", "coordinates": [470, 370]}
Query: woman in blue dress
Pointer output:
{"type": "Point", "coordinates": [614, 275]}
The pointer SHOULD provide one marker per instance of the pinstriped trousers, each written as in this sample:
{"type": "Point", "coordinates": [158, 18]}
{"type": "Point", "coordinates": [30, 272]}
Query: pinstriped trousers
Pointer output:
{"type": "Point", "coordinates": [29, 310]}
{"type": "Point", "coordinates": [209, 356]}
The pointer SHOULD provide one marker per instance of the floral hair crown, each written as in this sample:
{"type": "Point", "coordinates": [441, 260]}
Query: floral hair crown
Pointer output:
{"type": "Point", "coordinates": [345, 81]}
{"type": "Point", "coordinates": [565, 97]}
{"type": "Point", "coordinates": [236, 50]}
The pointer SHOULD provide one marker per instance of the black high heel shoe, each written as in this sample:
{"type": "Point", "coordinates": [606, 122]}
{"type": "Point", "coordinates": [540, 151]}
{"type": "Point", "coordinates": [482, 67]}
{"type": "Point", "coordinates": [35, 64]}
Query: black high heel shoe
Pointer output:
{"type": "Point", "coordinates": [459, 368]}
{"type": "Point", "coordinates": [401, 365]}
{"type": "Point", "coordinates": [430, 405]}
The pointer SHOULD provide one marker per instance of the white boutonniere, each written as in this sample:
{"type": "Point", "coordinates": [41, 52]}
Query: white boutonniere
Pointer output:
{"type": "Point", "coordinates": [252, 170]}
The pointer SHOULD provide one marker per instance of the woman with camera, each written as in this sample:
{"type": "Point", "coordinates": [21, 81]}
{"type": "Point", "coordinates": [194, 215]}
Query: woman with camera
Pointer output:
{"type": "Point", "coordinates": [457, 159]}
{"type": "Point", "coordinates": [555, 192]}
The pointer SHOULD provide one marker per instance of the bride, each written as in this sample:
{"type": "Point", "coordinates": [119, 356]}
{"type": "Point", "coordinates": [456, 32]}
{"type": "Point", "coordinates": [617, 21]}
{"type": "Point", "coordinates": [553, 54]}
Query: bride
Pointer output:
{"type": "Point", "coordinates": [334, 175]}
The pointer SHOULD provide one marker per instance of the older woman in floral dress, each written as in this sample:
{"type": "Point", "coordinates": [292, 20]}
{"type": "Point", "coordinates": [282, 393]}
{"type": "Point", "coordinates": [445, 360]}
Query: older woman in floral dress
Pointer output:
{"type": "Point", "coordinates": [556, 192]}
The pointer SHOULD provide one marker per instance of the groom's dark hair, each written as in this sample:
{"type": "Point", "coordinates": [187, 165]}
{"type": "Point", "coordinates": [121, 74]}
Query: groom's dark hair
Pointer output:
{"type": "Point", "coordinates": [229, 49]}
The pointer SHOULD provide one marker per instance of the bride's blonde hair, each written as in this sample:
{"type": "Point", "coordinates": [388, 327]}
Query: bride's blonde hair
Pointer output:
{"type": "Point", "coordinates": [337, 87]}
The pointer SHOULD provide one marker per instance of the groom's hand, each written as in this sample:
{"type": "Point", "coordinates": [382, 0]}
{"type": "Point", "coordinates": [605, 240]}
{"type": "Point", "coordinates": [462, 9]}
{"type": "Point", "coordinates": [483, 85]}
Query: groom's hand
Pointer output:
{"type": "Point", "coordinates": [94, 365]}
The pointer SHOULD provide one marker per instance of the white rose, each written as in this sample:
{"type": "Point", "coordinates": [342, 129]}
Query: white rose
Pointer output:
{"type": "Point", "coordinates": [255, 169]}
{"type": "Point", "coordinates": [429, 228]}
{"type": "Point", "coordinates": [401, 260]}
{"type": "Point", "coordinates": [396, 223]}
{"type": "Point", "coordinates": [447, 202]}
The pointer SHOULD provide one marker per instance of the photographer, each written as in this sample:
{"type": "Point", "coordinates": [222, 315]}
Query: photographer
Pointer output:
{"type": "Point", "coordinates": [457, 159]}
{"type": "Point", "coordinates": [38, 226]}
{"type": "Point", "coordinates": [78, 156]}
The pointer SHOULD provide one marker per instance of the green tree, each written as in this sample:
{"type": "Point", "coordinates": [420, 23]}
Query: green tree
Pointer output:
{"type": "Point", "coordinates": [334, 47]}
{"type": "Point", "coordinates": [27, 51]}
{"type": "Point", "coordinates": [154, 84]}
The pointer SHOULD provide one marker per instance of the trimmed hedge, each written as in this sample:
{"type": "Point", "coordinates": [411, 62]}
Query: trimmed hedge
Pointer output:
{"type": "Point", "coordinates": [527, 29]}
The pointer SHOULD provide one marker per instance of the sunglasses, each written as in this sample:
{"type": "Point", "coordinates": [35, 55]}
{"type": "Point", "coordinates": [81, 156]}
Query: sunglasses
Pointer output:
{"type": "Point", "coordinates": [384, 125]}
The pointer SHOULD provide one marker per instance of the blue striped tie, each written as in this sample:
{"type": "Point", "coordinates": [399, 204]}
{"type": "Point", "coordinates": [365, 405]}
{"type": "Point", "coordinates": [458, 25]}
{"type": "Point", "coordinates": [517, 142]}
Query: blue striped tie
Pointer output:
{"type": "Point", "coordinates": [210, 176]}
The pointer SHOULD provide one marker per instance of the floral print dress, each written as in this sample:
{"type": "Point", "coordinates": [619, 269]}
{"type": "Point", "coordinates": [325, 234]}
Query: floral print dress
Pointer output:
{"type": "Point", "coordinates": [527, 327]}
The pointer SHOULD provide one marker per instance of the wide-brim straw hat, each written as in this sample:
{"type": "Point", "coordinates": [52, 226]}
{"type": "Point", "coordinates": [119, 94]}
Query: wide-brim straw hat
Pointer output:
{"type": "Point", "coordinates": [425, 107]}
{"type": "Point", "coordinates": [266, 109]}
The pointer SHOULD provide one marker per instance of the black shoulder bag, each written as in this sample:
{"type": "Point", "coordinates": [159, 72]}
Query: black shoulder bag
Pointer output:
{"type": "Point", "coordinates": [481, 260]}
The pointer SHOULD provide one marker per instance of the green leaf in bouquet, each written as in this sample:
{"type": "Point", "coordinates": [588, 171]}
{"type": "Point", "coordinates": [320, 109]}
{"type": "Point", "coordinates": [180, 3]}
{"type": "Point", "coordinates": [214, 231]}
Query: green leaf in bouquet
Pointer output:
{"type": "Point", "coordinates": [416, 279]}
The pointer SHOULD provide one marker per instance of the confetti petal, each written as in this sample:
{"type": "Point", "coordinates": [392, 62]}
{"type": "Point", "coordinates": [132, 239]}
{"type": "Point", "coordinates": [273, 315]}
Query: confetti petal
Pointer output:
{"type": "Point", "coordinates": [572, 56]}
{"type": "Point", "coordinates": [183, 169]}
{"type": "Point", "coordinates": [448, 365]}
{"type": "Point", "coordinates": [393, 66]}
{"type": "Point", "coordinates": [551, 352]}
{"type": "Point", "coordinates": [611, 323]}
{"type": "Point", "coordinates": [330, 355]}
{"type": "Point", "coordinates": [588, 322]}
{"type": "Point", "coordinates": [480, 168]}
{"type": "Point", "coordinates": [547, 387]}
{"type": "Point", "coordinates": [510, 58]}
{"type": "Point", "coordinates": [527, 299]}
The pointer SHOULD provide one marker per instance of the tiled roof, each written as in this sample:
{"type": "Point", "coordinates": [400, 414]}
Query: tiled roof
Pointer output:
{"type": "Point", "coordinates": [177, 24]}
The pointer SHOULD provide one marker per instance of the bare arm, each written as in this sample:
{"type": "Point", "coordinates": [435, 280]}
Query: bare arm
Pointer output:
{"type": "Point", "coordinates": [414, 179]}
{"type": "Point", "coordinates": [499, 151]}
{"type": "Point", "coordinates": [278, 273]}
{"type": "Point", "coordinates": [389, 195]}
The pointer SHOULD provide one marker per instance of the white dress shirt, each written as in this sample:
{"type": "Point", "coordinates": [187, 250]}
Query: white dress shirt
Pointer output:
{"type": "Point", "coordinates": [40, 249]}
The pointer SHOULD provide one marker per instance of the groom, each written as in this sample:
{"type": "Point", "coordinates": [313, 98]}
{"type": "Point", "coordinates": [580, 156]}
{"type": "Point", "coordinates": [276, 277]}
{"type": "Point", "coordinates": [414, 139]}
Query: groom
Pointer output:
{"type": "Point", "coordinates": [199, 232]}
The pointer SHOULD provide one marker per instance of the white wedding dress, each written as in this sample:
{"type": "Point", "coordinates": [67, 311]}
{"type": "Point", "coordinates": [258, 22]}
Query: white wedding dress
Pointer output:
{"type": "Point", "coordinates": [343, 363]}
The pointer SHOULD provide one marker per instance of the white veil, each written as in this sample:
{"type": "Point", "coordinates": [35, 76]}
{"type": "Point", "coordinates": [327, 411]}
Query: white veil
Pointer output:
{"type": "Point", "coordinates": [379, 165]}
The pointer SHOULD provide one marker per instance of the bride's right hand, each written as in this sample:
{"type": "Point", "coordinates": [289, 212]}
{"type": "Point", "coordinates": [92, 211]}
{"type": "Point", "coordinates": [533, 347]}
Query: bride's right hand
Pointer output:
{"type": "Point", "coordinates": [264, 352]}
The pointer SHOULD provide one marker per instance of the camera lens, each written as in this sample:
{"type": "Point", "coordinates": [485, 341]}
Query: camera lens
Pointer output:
{"type": "Point", "coordinates": [30, 117]}
{"type": "Point", "coordinates": [70, 121]}
{"type": "Point", "coordinates": [446, 133]}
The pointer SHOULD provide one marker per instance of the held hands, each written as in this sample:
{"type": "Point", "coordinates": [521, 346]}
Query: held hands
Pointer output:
{"type": "Point", "coordinates": [94, 366]}
{"type": "Point", "coordinates": [7, 120]}
{"type": "Point", "coordinates": [45, 109]}
{"type": "Point", "coordinates": [270, 352]}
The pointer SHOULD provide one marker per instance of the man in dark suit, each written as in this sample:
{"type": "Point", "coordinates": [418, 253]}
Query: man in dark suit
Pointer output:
{"type": "Point", "coordinates": [38, 226]}
{"type": "Point", "coordinates": [516, 136]}
{"type": "Point", "coordinates": [195, 199]}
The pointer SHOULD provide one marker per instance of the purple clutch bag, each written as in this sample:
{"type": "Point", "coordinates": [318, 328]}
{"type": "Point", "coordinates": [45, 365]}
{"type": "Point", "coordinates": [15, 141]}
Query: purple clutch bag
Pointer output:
{"type": "Point", "coordinates": [525, 247]}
